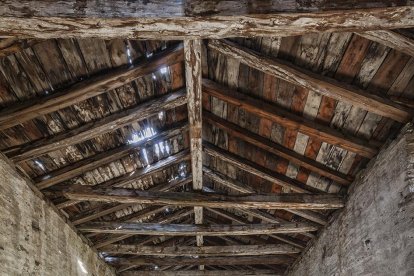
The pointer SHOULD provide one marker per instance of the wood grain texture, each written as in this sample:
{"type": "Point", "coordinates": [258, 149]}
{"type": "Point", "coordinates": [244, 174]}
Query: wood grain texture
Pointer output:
{"type": "Point", "coordinates": [94, 86]}
{"type": "Point", "coordinates": [155, 229]}
{"type": "Point", "coordinates": [314, 82]}
{"type": "Point", "coordinates": [233, 272]}
{"type": "Point", "coordinates": [391, 39]}
{"type": "Point", "coordinates": [66, 22]}
{"type": "Point", "coordinates": [212, 200]}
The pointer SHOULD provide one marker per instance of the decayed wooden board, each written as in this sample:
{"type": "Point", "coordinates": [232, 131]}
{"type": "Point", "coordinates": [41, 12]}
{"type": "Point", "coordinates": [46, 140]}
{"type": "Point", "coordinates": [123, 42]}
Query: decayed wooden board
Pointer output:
{"type": "Point", "coordinates": [192, 61]}
{"type": "Point", "coordinates": [391, 39]}
{"type": "Point", "coordinates": [240, 250]}
{"type": "Point", "coordinates": [289, 120]}
{"type": "Point", "coordinates": [92, 129]}
{"type": "Point", "coordinates": [314, 82]}
{"type": "Point", "coordinates": [212, 200]}
{"type": "Point", "coordinates": [89, 88]}
{"type": "Point", "coordinates": [155, 229]}
{"type": "Point", "coordinates": [9, 46]}
{"type": "Point", "coordinates": [65, 23]}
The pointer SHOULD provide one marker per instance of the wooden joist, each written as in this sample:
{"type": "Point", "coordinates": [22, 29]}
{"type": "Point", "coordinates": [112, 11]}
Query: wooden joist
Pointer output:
{"type": "Point", "coordinates": [213, 251]}
{"type": "Point", "coordinates": [95, 161]}
{"type": "Point", "coordinates": [156, 229]}
{"type": "Point", "coordinates": [135, 175]}
{"type": "Point", "coordinates": [96, 128]}
{"type": "Point", "coordinates": [192, 61]}
{"type": "Point", "coordinates": [391, 39]}
{"type": "Point", "coordinates": [211, 200]}
{"type": "Point", "coordinates": [275, 148]}
{"type": "Point", "coordinates": [256, 169]}
{"type": "Point", "coordinates": [289, 120]}
{"type": "Point", "coordinates": [315, 82]}
{"type": "Point", "coordinates": [189, 20]}
{"type": "Point", "coordinates": [94, 86]}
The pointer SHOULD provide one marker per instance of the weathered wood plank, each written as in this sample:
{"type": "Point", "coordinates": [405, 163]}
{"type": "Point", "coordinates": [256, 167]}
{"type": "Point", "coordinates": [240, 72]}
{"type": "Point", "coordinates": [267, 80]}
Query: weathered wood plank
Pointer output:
{"type": "Point", "coordinates": [256, 272]}
{"type": "Point", "coordinates": [63, 21]}
{"type": "Point", "coordinates": [94, 86]}
{"type": "Point", "coordinates": [92, 129]}
{"type": "Point", "coordinates": [9, 46]}
{"type": "Point", "coordinates": [391, 39]}
{"type": "Point", "coordinates": [314, 82]}
{"type": "Point", "coordinates": [211, 200]}
{"type": "Point", "coordinates": [95, 161]}
{"type": "Point", "coordinates": [234, 250]}
{"type": "Point", "coordinates": [289, 120]}
{"type": "Point", "coordinates": [275, 148]}
{"type": "Point", "coordinates": [155, 229]}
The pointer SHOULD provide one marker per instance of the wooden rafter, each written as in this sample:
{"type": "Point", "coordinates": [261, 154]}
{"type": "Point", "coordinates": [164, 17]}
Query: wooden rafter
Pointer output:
{"type": "Point", "coordinates": [275, 148]}
{"type": "Point", "coordinates": [156, 229]}
{"type": "Point", "coordinates": [309, 80]}
{"type": "Point", "coordinates": [261, 201]}
{"type": "Point", "coordinates": [94, 86]}
{"type": "Point", "coordinates": [97, 160]}
{"type": "Point", "coordinates": [289, 120]}
{"type": "Point", "coordinates": [391, 39]}
{"type": "Point", "coordinates": [214, 251]}
{"type": "Point", "coordinates": [113, 21]}
{"type": "Point", "coordinates": [192, 58]}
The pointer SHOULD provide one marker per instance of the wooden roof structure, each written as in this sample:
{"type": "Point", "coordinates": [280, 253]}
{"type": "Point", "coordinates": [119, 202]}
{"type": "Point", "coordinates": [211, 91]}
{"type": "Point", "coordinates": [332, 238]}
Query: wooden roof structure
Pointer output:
{"type": "Point", "coordinates": [201, 137]}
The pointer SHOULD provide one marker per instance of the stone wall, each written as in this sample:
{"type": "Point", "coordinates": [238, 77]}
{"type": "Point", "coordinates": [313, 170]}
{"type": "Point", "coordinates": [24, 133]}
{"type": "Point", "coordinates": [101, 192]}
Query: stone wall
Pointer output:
{"type": "Point", "coordinates": [34, 239]}
{"type": "Point", "coordinates": [374, 233]}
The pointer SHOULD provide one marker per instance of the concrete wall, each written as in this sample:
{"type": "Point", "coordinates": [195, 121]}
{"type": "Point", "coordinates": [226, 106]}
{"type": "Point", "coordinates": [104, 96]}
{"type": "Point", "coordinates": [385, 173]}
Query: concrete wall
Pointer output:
{"type": "Point", "coordinates": [34, 239]}
{"type": "Point", "coordinates": [374, 233]}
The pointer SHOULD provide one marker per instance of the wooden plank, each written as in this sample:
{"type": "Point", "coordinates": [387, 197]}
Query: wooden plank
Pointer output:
{"type": "Point", "coordinates": [214, 251]}
{"type": "Point", "coordinates": [275, 148]}
{"type": "Point", "coordinates": [289, 120]}
{"type": "Point", "coordinates": [193, 71]}
{"type": "Point", "coordinates": [156, 229]}
{"type": "Point", "coordinates": [314, 82]}
{"type": "Point", "coordinates": [94, 86]}
{"type": "Point", "coordinates": [95, 161]}
{"type": "Point", "coordinates": [391, 39]}
{"type": "Point", "coordinates": [256, 272]}
{"type": "Point", "coordinates": [10, 46]}
{"type": "Point", "coordinates": [93, 129]}
{"type": "Point", "coordinates": [211, 200]}
{"type": "Point", "coordinates": [122, 21]}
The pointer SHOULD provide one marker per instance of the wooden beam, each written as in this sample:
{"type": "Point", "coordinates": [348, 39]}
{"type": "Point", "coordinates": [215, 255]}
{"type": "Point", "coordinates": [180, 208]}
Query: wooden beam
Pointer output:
{"type": "Point", "coordinates": [289, 120]}
{"type": "Point", "coordinates": [239, 260]}
{"type": "Point", "coordinates": [94, 86]}
{"type": "Point", "coordinates": [97, 160]}
{"type": "Point", "coordinates": [256, 169]}
{"type": "Point", "coordinates": [155, 229]}
{"type": "Point", "coordinates": [211, 200]}
{"type": "Point", "coordinates": [213, 251]}
{"type": "Point", "coordinates": [257, 272]}
{"type": "Point", "coordinates": [192, 61]}
{"type": "Point", "coordinates": [135, 175]}
{"type": "Point", "coordinates": [315, 82]}
{"type": "Point", "coordinates": [10, 46]}
{"type": "Point", "coordinates": [275, 148]}
{"type": "Point", "coordinates": [101, 126]}
{"type": "Point", "coordinates": [391, 39]}
{"type": "Point", "coordinates": [189, 20]}
{"type": "Point", "coordinates": [407, 102]}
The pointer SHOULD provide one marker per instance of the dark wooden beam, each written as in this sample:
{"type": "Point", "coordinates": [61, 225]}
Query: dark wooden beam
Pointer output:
{"type": "Point", "coordinates": [192, 61]}
{"type": "Point", "coordinates": [391, 39]}
{"type": "Point", "coordinates": [315, 82]}
{"type": "Point", "coordinates": [211, 200]}
{"type": "Point", "coordinates": [101, 126]}
{"type": "Point", "coordinates": [196, 19]}
{"type": "Point", "coordinates": [95, 161]}
{"type": "Point", "coordinates": [289, 120]}
{"type": "Point", "coordinates": [135, 175]}
{"type": "Point", "coordinates": [156, 229]}
{"type": "Point", "coordinates": [407, 102]}
{"type": "Point", "coordinates": [275, 148]}
{"type": "Point", "coordinates": [213, 251]}
{"type": "Point", "coordinates": [256, 169]}
{"type": "Point", "coordinates": [94, 86]}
